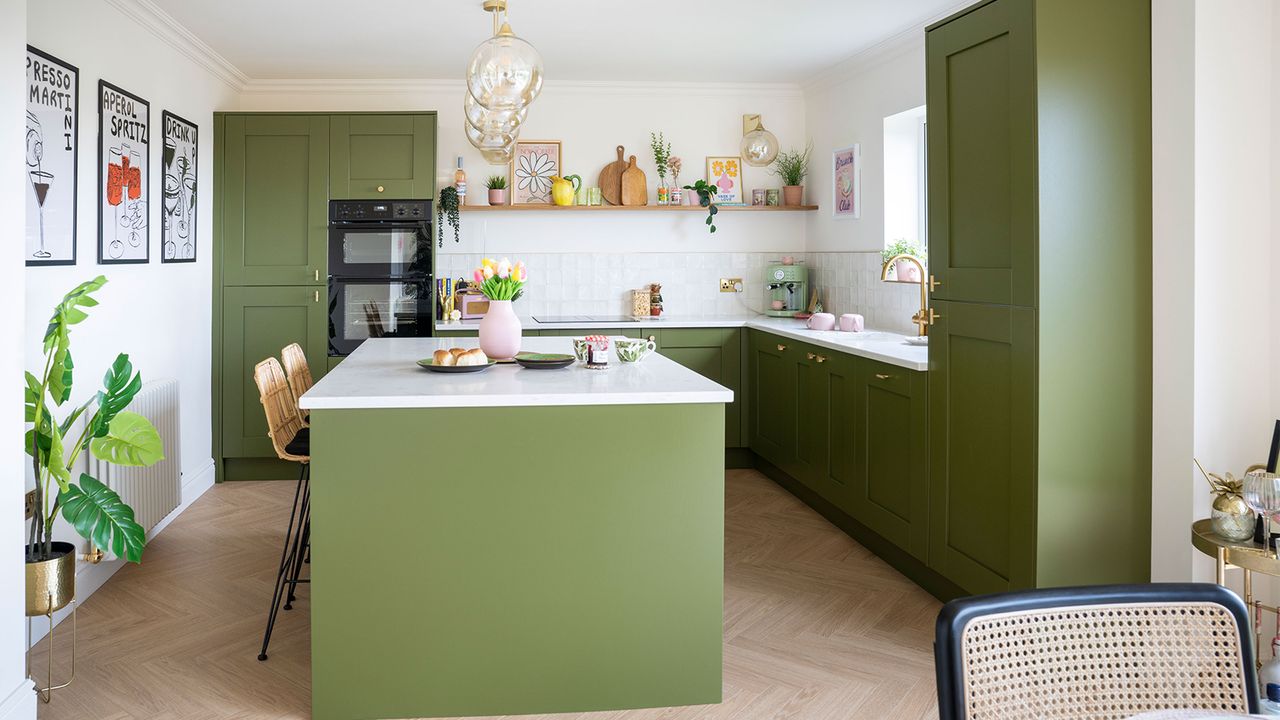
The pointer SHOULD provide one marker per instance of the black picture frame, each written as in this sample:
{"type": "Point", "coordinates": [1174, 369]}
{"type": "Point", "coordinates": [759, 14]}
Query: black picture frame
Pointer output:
{"type": "Point", "coordinates": [107, 253]}
{"type": "Point", "coordinates": [72, 137]}
{"type": "Point", "coordinates": [185, 211]}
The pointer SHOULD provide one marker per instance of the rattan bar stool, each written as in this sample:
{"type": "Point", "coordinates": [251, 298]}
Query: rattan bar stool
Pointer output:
{"type": "Point", "coordinates": [1106, 651]}
{"type": "Point", "coordinates": [291, 441]}
{"type": "Point", "coordinates": [299, 374]}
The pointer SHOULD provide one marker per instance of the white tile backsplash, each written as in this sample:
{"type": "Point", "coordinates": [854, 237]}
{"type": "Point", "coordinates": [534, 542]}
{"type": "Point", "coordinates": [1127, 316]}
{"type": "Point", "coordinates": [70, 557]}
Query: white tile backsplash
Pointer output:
{"type": "Point", "coordinates": [850, 282]}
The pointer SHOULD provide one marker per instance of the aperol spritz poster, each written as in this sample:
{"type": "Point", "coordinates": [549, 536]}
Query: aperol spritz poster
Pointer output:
{"type": "Point", "coordinates": [51, 146]}
{"type": "Point", "coordinates": [124, 142]}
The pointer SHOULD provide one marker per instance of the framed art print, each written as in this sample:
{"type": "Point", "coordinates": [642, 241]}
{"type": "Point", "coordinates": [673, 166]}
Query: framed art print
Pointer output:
{"type": "Point", "coordinates": [124, 176]}
{"type": "Point", "coordinates": [178, 212]}
{"type": "Point", "coordinates": [726, 174]}
{"type": "Point", "coordinates": [532, 165]}
{"type": "Point", "coordinates": [846, 183]}
{"type": "Point", "coordinates": [52, 142]}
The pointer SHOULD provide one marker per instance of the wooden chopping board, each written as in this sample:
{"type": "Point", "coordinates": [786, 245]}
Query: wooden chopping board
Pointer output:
{"type": "Point", "coordinates": [611, 179]}
{"type": "Point", "coordinates": [634, 189]}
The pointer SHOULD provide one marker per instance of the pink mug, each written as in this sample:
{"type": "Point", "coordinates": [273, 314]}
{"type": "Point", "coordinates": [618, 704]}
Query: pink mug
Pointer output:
{"type": "Point", "coordinates": [821, 321]}
{"type": "Point", "coordinates": [851, 322]}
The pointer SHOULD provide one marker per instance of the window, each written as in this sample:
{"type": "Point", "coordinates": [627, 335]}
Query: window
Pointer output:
{"type": "Point", "coordinates": [904, 178]}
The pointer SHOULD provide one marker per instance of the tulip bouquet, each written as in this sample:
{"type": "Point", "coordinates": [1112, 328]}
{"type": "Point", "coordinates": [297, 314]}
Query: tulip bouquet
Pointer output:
{"type": "Point", "coordinates": [501, 280]}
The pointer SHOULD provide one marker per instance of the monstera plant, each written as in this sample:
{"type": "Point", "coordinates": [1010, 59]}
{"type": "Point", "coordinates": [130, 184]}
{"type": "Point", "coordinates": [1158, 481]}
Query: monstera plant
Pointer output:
{"type": "Point", "coordinates": [108, 431]}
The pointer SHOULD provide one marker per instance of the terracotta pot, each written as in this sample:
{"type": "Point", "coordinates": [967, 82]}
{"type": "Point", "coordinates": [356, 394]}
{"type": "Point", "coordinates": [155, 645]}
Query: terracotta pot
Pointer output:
{"type": "Point", "coordinates": [498, 197]}
{"type": "Point", "coordinates": [792, 195]}
{"type": "Point", "coordinates": [51, 584]}
{"type": "Point", "coordinates": [500, 331]}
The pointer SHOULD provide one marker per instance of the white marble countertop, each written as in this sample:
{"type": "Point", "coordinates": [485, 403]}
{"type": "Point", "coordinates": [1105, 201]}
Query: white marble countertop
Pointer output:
{"type": "Point", "coordinates": [383, 373]}
{"type": "Point", "coordinates": [887, 347]}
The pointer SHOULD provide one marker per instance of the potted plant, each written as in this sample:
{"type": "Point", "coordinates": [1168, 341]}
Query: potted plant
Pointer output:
{"type": "Point", "coordinates": [497, 185]}
{"type": "Point", "coordinates": [108, 431]}
{"type": "Point", "coordinates": [905, 270]}
{"type": "Point", "coordinates": [503, 283]}
{"type": "Point", "coordinates": [792, 167]}
{"type": "Point", "coordinates": [661, 155]}
{"type": "Point", "coordinates": [706, 198]}
{"type": "Point", "coordinates": [447, 207]}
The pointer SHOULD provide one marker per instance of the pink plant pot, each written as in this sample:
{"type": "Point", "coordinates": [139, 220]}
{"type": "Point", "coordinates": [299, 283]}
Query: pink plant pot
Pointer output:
{"type": "Point", "coordinates": [498, 197]}
{"type": "Point", "coordinates": [500, 331]}
{"type": "Point", "coordinates": [906, 271]}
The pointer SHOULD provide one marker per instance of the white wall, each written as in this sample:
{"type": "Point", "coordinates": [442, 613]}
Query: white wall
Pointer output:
{"type": "Point", "coordinates": [591, 119]}
{"type": "Point", "coordinates": [159, 314]}
{"type": "Point", "coordinates": [17, 702]}
{"type": "Point", "coordinates": [847, 105]}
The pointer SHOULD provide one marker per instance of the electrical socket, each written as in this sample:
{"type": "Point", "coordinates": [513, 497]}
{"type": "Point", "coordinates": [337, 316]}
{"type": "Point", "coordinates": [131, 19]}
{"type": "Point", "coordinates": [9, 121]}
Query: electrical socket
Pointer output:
{"type": "Point", "coordinates": [730, 285]}
{"type": "Point", "coordinates": [30, 503]}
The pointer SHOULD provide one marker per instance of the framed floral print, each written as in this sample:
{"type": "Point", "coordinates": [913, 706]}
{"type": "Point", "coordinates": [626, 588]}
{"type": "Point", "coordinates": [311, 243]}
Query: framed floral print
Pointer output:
{"type": "Point", "coordinates": [532, 165]}
{"type": "Point", "coordinates": [726, 174]}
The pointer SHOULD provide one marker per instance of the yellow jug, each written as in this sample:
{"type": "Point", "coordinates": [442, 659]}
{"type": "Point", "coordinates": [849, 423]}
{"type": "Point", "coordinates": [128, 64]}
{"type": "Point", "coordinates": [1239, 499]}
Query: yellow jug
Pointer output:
{"type": "Point", "coordinates": [564, 188]}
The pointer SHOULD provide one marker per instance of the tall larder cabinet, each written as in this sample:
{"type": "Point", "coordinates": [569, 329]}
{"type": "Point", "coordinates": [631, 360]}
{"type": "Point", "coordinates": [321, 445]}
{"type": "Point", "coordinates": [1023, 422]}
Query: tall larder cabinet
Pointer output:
{"type": "Point", "coordinates": [1039, 189]}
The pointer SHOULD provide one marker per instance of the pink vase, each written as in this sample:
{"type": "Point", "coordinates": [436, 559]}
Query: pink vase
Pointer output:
{"type": "Point", "coordinates": [500, 331]}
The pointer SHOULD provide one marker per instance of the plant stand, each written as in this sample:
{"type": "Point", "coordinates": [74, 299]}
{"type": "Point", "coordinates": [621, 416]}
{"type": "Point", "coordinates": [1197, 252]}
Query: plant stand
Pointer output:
{"type": "Point", "coordinates": [46, 692]}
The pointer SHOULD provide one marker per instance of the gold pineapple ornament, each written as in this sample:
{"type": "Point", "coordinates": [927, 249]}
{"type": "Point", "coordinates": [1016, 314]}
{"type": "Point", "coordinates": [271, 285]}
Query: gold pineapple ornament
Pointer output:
{"type": "Point", "coordinates": [1232, 518]}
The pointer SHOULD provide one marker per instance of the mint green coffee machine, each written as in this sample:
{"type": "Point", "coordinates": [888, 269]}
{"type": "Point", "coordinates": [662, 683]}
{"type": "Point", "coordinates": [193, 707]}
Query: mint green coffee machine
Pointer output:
{"type": "Point", "coordinates": [788, 287]}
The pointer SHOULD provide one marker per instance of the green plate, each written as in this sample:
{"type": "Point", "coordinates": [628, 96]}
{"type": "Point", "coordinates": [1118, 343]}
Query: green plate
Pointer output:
{"type": "Point", "coordinates": [430, 365]}
{"type": "Point", "coordinates": [544, 361]}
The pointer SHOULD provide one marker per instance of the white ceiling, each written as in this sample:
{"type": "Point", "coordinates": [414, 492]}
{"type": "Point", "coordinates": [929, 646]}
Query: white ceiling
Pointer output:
{"type": "Point", "coordinates": [656, 40]}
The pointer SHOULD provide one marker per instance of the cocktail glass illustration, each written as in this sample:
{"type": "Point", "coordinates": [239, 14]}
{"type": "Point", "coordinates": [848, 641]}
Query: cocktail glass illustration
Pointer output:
{"type": "Point", "coordinates": [40, 180]}
{"type": "Point", "coordinates": [172, 200]}
{"type": "Point", "coordinates": [133, 179]}
{"type": "Point", "coordinates": [115, 194]}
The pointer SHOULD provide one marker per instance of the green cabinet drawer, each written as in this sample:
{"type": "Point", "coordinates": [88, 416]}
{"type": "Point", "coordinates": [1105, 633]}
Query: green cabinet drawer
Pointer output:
{"type": "Point", "coordinates": [383, 156]}
{"type": "Point", "coordinates": [981, 94]}
{"type": "Point", "coordinates": [274, 199]}
{"type": "Point", "coordinates": [982, 439]}
{"type": "Point", "coordinates": [891, 490]}
{"type": "Point", "coordinates": [256, 323]}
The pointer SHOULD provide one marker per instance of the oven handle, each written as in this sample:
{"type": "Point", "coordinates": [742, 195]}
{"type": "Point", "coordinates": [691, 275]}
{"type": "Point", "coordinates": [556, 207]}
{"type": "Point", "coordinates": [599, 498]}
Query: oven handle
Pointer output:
{"type": "Point", "coordinates": [423, 225]}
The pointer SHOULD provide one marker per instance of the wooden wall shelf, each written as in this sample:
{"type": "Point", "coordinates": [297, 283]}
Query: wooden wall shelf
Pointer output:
{"type": "Point", "coordinates": [635, 208]}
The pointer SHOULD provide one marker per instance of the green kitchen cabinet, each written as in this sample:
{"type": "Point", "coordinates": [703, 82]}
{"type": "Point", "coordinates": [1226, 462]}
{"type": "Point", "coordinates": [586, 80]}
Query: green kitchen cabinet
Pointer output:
{"type": "Point", "coordinates": [1039, 217]}
{"type": "Point", "coordinates": [256, 323]}
{"type": "Point", "coordinates": [806, 382]}
{"type": "Point", "coordinates": [771, 405]}
{"type": "Point", "coordinates": [889, 491]}
{"type": "Point", "coordinates": [272, 225]}
{"type": "Point", "coordinates": [714, 353]}
{"type": "Point", "coordinates": [382, 155]}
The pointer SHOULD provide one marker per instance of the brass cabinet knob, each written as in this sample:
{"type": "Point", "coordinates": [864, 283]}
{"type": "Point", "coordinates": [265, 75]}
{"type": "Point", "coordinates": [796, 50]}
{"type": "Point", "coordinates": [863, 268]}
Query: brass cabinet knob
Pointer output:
{"type": "Point", "coordinates": [812, 356]}
{"type": "Point", "coordinates": [380, 188]}
{"type": "Point", "coordinates": [881, 376]}
{"type": "Point", "coordinates": [782, 348]}
{"type": "Point", "coordinates": [822, 358]}
{"type": "Point", "coordinates": [652, 339]}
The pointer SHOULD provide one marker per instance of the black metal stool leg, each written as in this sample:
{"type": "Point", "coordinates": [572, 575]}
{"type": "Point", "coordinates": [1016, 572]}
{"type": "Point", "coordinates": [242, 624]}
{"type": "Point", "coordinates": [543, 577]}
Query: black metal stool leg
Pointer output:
{"type": "Point", "coordinates": [301, 543]}
{"type": "Point", "coordinates": [286, 558]}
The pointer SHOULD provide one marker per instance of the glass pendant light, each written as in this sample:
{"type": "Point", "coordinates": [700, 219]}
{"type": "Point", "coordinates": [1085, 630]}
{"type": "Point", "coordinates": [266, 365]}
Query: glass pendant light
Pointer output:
{"type": "Point", "coordinates": [492, 121]}
{"type": "Point", "coordinates": [759, 146]}
{"type": "Point", "coordinates": [505, 72]}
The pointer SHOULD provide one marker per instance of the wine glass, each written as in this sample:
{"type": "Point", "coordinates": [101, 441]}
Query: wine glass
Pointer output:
{"type": "Point", "coordinates": [1262, 494]}
{"type": "Point", "coordinates": [115, 192]}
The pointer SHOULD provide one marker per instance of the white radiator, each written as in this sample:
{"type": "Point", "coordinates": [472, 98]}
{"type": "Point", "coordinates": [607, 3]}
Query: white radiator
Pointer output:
{"type": "Point", "coordinates": [153, 492]}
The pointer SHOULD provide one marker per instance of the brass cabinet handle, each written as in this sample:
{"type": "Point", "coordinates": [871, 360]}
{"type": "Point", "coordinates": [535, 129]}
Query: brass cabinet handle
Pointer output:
{"type": "Point", "coordinates": [317, 276]}
{"type": "Point", "coordinates": [782, 348]}
{"type": "Point", "coordinates": [317, 296]}
{"type": "Point", "coordinates": [933, 283]}
{"type": "Point", "coordinates": [652, 339]}
{"type": "Point", "coordinates": [933, 316]}
{"type": "Point", "coordinates": [881, 376]}
{"type": "Point", "coordinates": [812, 356]}
{"type": "Point", "coordinates": [822, 358]}
{"type": "Point", "coordinates": [380, 188]}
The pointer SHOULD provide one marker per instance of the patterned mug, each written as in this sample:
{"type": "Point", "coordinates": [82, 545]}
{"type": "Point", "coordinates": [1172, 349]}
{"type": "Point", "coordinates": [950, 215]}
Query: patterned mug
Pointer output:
{"type": "Point", "coordinates": [632, 350]}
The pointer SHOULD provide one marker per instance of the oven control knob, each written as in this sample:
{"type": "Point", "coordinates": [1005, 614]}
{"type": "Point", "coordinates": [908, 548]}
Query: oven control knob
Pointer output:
{"type": "Point", "coordinates": [417, 212]}
{"type": "Point", "coordinates": [400, 211]}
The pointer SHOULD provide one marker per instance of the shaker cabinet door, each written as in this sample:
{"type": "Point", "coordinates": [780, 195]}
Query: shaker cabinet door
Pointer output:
{"type": "Point", "coordinates": [275, 200]}
{"type": "Point", "coordinates": [981, 155]}
{"type": "Point", "coordinates": [387, 156]}
{"type": "Point", "coordinates": [772, 414]}
{"type": "Point", "coordinates": [982, 430]}
{"type": "Point", "coordinates": [257, 322]}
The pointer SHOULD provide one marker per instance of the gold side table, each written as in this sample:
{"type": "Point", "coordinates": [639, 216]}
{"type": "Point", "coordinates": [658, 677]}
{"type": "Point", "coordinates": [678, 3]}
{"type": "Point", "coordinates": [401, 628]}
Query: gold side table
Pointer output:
{"type": "Point", "coordinates": [1231, 554]}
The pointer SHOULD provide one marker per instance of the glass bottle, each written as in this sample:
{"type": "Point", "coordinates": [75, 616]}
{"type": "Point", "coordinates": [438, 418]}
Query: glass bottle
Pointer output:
{"type": "Point", "coordinates": [460, 181]}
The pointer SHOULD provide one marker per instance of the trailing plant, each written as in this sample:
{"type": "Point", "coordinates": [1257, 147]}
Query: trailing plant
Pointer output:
{"type": "Point", "coordinates": [496, 182]}
{"type": "Point", "coordinates": [661, 153]}
{"type": "Point", "coordinates": [110, 433]}
{"type": "Point", "coordinates": [793, 166]}
{"type": "Point", "coordinates": [904, 247]}
{"type": "Point", "coordinates": [447, 207]}
{"type": "Point", "coordinates": [707, 199]}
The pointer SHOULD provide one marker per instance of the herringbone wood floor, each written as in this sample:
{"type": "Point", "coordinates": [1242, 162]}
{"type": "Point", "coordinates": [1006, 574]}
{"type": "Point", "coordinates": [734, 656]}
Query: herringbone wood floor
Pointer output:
{"type": "Point", "coordinates": [816, 627]}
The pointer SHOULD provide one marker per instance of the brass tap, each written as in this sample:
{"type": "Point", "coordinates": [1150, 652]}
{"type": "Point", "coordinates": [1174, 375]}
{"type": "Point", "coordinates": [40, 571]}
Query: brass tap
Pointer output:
{"type": "Point", "coordinates": [924, 317]}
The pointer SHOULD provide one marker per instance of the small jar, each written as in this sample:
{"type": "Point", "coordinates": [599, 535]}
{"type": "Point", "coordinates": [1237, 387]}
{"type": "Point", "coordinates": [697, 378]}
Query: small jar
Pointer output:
{"type": "Point", "coordinates": [675, 196]}
{"type": "Point", "coordinates": [598, 352]}
{"type": "Point", "coordinates": [663, 193]}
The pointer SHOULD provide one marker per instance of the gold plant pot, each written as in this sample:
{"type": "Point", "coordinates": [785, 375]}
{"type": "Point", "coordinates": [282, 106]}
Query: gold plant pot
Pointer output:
{"type": "Point", "coordinates": [51, 584]}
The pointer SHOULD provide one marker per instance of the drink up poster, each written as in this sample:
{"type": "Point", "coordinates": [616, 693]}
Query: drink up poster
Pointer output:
{"type": "Point", "coordinates": [124, 142]}
{"type": "Point", "coordinates": [51, 145]}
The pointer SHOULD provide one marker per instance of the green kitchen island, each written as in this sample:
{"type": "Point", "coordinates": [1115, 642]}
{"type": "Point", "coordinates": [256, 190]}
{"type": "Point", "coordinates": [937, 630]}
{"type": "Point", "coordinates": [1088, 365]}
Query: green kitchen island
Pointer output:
{"type": "Point", "coordinates": [514, 541]}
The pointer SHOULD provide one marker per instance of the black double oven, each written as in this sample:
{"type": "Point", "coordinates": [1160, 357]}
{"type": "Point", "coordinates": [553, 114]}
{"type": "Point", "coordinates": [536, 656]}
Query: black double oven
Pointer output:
{"type": "Point", "coordinates": [380, 276]}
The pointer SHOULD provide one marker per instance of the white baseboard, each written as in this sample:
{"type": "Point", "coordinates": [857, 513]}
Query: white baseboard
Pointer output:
{"type": "Point", "coordinates": [20, 704]}
{"type": "Point", "coordinates": [91, 577]}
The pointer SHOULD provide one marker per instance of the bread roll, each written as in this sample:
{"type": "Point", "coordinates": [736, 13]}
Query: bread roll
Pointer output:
{"type": "Point", "coordinates": [442, 357]}
{"type": "Point", "coordinates": [475, 356]}
{"type": "Point", "coordinates": [457, 351]}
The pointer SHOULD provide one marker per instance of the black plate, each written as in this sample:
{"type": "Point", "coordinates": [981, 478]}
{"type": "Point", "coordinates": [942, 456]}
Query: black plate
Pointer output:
{"type": "Point", "coordinates": [430, 365]}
